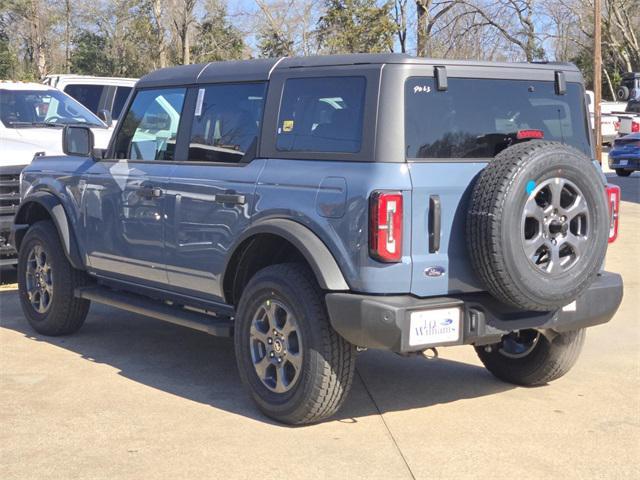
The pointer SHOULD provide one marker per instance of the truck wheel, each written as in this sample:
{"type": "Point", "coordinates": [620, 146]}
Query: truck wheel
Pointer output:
{"type": "Point", "coordinates": [621, 172]}
{"type": "Point", "coordinates": [537, 225]}
{"type": "Point", "coordinates": [530, 358]}
{"type": "Point", "coordinates": [46, 283]}
{"type": "Point", "coordinates": [296, 367]}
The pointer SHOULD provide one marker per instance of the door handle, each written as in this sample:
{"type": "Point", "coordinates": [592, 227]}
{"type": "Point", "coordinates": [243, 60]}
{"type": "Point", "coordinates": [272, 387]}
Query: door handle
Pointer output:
{"type": "Point", "coordinates": [149, 192]}
{"type": "Point", "coordinates": [435, 223]}
{"type": "Point", "coordinates": [230, 198]}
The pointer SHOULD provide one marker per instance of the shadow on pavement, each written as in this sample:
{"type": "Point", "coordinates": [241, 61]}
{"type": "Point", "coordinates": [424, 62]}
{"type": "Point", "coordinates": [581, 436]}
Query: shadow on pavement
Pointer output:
{"type": "Point", "coordinates": [202, 368]}
{"type": "Point", "coordinates": [629, 186]}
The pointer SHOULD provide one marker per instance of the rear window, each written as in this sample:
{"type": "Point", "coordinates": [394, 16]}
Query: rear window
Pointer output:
{"type": "Point", "coordinates": [473, 116]}
{"type": "Point", "coordinates": [122, 93]}
{"type": "Point", "coordinates": [88, 95]}
{"type": "Point", "coordinates": [321, 115]}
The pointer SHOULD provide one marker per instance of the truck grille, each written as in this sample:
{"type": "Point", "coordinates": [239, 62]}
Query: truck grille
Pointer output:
{"type": "Point", "coordinates": [9, 193]}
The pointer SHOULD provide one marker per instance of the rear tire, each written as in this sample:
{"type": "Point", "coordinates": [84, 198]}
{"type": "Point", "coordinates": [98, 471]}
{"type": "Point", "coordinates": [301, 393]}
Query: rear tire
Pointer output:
{"type": "Point", "coordinates": [547, 360]}
{"type": "Point", "coordinates": [46, 283]}
{"type": "Point", "coordinates": [621, 172]}
{"type": "Point", "coordinates": [282, 315]}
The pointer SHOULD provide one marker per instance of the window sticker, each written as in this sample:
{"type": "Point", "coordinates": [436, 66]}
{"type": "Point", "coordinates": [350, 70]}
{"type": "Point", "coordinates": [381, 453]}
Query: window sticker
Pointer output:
{"type": "Point", "coordinates": [287, 125]}
{"type": "Point", "coordinates": [199, 102]}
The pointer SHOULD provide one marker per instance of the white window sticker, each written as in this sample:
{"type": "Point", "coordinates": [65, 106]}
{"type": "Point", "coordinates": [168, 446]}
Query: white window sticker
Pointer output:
{"type": "Point", "coordinates": [199, 101]}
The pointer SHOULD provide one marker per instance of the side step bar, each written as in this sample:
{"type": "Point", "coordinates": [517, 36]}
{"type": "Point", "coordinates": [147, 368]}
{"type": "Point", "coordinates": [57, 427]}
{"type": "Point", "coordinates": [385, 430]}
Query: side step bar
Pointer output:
{"type": "Point", "coordinates": [218, 326]}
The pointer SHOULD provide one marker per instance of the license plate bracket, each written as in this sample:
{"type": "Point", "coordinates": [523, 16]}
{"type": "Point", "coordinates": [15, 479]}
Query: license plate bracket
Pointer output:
{"type": "Point", "coordinates": [435, 327]}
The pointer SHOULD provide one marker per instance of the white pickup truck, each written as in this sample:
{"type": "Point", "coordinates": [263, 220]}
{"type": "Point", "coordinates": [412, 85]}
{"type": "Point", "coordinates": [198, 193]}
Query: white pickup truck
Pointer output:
{"type": "Point", "coordinates": [32, 117]}
{"type": "Point", "coordinates": [608, 121]}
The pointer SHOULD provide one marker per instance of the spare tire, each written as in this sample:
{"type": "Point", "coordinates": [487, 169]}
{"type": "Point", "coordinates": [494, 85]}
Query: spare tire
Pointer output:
{"type": "Point", "coordinates": [538, 224]}
{"type": "Point", "coordinates": [623, 93]}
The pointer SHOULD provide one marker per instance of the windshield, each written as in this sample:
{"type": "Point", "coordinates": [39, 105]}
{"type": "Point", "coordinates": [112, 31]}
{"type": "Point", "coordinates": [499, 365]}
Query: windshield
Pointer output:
{"type": "Point", "coordinates": [476, 118]}
{"type": "Point", "coordinates": [43, 108]}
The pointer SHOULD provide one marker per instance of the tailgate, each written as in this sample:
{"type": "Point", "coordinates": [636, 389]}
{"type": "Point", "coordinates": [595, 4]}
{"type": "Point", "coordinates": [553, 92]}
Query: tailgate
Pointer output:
{"type": "Point", "coordinates": [449, 269]}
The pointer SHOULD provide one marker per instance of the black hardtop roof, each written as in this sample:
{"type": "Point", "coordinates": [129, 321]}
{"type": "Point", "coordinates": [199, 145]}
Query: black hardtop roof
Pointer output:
{"type": "Point", "coordinates": [261, 69]}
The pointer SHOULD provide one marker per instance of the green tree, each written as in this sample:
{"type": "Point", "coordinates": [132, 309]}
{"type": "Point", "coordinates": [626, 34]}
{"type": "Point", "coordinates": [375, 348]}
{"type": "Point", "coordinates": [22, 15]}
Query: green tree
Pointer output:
{"type": "Point", "coordinates": [273, 43]}
{"type": "Point", "coordinates": [356, 26]}
{"type": "Point", "coordinates": [90, 55]}
{"type": "Point", "coordinates": [217, 38]}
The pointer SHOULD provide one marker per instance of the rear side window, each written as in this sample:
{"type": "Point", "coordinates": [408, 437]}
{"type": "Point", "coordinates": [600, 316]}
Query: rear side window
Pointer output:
{"type": "Point", "coordinates": [150, 127]}
{"type": "Point", "coordinates": [472, 118]}
{"type": "Point", "coordinates": [226, 122]}
{"type": "Point", "coordinates": [122, 93]}
{"type": "Point", "coordinates": [88, 95]}
{"type": "Point", "coordinates": [321, 115]}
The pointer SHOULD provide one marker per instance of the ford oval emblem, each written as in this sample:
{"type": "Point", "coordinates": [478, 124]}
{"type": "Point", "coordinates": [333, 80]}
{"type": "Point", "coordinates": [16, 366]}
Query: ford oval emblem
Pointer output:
{"type": "Point", "coordinates": [434, 271]}
{"type": "Point", "coordinates": [446, 321]}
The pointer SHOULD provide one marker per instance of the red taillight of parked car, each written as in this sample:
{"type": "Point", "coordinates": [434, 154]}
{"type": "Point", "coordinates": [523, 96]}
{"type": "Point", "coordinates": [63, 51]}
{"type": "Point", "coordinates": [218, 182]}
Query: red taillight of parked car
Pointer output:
{"type": "Point", "coordinates": [613, 199]}
{"type": "Point", "coordinates": [385, 226]}
{"type": "Point", "coordinates": [635, 127]}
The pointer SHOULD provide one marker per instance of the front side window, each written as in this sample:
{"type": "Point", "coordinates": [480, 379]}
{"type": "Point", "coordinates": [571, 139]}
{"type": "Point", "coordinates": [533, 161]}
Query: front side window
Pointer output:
{"type": "Point", "coordinates": [472, 118]}
{"type": "Point", "coordinates": [150, 127]}
{"type": "Point", "coordinates": [88, 95]}
{"type": "Point", "coordinates": [226, 122]}
{"type": "Point", "coordinates": [321, 115]}
{"type": "Point", "coordinates": [43, 108]}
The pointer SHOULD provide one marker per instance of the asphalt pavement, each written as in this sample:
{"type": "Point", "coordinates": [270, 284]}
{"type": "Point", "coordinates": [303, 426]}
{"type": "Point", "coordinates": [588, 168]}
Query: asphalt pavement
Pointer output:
{"type": "Point", "coordinates": [134, 398]}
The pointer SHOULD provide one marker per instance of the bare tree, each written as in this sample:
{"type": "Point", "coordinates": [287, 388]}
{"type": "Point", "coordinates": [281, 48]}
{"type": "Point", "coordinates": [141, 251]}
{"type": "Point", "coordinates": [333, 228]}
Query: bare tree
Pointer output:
{"type": "Point", "coordinates": [158, 11]}
{"type": "Point", "coordinates": [428, 13]}
{"type": "Point", "coordinates": [183, 20]}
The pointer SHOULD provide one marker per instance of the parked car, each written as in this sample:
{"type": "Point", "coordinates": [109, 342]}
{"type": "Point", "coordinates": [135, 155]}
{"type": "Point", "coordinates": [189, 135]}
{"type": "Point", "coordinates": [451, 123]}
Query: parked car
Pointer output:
{"type": "Point", "coordinates": [624, 157]}
{"type": "Point", "coordinates": [609, 123]}
{"type": "Point", "coordinates": [311, 207]}
{"type": "Point", "coordinates": [104, 96]}
{"type": "Point", "coordinates": [32, 118]}
{"type": "Point", "coordinates": [630, 81]}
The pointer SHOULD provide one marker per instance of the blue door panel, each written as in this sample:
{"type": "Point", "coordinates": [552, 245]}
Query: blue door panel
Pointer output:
{"type": "Point", "coordinates": [208, 207]}
{"type": "Point", "coordinates": [123, 230]}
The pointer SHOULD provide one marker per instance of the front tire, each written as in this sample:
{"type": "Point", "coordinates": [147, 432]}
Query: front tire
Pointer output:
{"type": "Point", "coordinates": [297, 369]}
{"type": "Point", "coordinates": [46, 283]}
{"type": "Point", "coordinates": [530, 358]}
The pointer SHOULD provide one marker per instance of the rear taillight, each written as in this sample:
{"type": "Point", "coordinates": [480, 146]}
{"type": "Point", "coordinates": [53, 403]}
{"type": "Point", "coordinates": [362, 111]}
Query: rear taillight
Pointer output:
{"type": "Point", "coordinates": [385, 226]}
{"type": "Point", "coordinates": [635, 127]}
{"type": "Point", "coordinates": [616, 125]}
{"type": "Point", "coordinates": [613, 199]}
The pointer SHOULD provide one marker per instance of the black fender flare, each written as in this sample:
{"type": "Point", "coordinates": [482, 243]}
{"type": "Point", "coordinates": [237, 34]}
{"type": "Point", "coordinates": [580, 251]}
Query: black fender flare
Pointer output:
{"type": "Point", "coordinates": [53, 205]}
{"type": "Point", "coordinates": [316, 253]}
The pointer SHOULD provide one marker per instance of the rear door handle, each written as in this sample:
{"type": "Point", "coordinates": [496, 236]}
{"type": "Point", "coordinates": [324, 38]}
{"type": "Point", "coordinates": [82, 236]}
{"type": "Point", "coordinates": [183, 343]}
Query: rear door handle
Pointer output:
{"type": "Point", "coordinates": [230, 198]}
{"type": "Point", "coordinates": [149, 192]}
{"type": "Point", "coordinates": [435, 223]}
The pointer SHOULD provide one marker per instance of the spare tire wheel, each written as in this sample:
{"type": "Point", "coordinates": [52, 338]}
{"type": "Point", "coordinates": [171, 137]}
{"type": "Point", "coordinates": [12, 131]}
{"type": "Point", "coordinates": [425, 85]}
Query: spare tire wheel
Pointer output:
{"type": "Point", "coordinates": [538, 224]}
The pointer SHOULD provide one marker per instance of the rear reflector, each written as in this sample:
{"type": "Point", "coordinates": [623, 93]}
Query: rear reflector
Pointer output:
{"type": "Point", "coordinates": [385, 226]}
{"type": "Point", "coordinates": [613, 199]}
{"type": "Point", "coordinates": [527, 134]}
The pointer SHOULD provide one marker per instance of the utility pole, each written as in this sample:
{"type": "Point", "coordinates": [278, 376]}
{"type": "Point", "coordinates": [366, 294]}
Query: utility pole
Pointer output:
{"type": "Point", "coordinates": [597, 77]}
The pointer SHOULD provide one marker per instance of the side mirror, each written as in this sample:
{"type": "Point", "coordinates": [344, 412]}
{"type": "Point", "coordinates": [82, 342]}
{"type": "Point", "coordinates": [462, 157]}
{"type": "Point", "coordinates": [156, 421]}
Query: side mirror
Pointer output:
{"type": "Point", "coordinates": [77, 141]}
{"type": "Point", "coordinates": [105, 116]}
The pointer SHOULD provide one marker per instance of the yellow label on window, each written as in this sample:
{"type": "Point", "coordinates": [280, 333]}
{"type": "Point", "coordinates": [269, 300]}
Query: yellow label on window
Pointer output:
{"type": "Point", "coordinates": [287, 125]}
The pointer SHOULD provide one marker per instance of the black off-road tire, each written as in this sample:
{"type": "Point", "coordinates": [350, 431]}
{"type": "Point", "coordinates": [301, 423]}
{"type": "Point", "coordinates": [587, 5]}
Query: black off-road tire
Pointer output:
{"type": "Point", "coordinates": [548, 361]}
{"type": "Point", "coordinates": [621, 172]}
{"type": "Point", "coordinates": [66, 313]}
{"type": "Point", "coordinates": [495, 225]}
{"type": "Point", "coordinates": [328, 360]}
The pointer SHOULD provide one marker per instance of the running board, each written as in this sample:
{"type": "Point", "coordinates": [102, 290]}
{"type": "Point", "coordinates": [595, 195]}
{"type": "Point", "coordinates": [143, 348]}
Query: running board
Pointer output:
{"type": "Point", "coordinates": [218, 326]}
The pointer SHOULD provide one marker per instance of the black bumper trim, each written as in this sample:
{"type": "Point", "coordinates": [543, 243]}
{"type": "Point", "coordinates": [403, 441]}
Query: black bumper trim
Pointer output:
{"type": "Point", "coordinates": [383, 321]}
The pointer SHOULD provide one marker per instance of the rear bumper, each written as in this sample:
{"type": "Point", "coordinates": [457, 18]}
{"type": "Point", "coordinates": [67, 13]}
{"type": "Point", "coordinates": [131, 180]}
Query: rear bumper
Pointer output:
{"type": "Point", "coordinates": [383, 321]}
{"type": "Point", "coordinates": [630, 162]}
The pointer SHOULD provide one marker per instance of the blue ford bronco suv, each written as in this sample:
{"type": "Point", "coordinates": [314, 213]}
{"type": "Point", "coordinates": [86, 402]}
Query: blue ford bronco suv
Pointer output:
{"type": "Point", "coordinates": [313, 207]}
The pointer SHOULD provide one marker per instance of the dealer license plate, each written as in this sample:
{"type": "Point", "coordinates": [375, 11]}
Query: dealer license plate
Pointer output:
{"type": "Point", "coordinates": [624, 162]}
{"type": "Point", "coordinates": [435, 326]}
